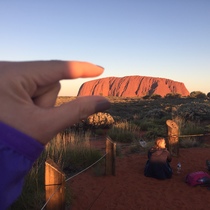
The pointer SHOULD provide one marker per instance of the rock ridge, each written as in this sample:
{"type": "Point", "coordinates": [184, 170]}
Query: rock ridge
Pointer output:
{"type": "Point", "coordinates": [131, 86]}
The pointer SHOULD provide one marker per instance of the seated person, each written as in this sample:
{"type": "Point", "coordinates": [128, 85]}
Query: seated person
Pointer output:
{"type": "Point", "coordinates": [157, 165]}
{"type": "Point", "coordinates": [208, 164]}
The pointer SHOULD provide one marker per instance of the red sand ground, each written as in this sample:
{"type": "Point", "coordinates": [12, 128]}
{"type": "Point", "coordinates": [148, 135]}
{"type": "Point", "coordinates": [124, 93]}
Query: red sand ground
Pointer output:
{"type": "Point", "coordinates": [131, 190]}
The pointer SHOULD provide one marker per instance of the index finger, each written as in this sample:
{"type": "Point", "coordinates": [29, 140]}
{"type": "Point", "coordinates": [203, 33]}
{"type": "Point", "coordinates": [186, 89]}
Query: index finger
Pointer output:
{"type": "Point", "coordinates": [47, 72]}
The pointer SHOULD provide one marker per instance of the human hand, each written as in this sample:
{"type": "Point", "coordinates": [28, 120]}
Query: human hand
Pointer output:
{"type": "Point", "coordinates": [28, 91]}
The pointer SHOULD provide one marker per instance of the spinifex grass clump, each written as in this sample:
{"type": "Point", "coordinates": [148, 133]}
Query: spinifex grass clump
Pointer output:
{"type": "Point", "coordinates": [33, 194]}
{"type": "Point", "coordinates": [71, 152]}
{"type": "Point", "coordinates": [192, 128]}
{"type": "Point", "coordinates": [124, 132]}
{"type": "Point", "coordinates": [189, 134]}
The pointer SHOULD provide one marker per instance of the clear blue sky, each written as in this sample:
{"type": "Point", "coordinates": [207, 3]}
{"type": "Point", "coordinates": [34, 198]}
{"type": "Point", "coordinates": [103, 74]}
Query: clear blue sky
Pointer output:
{"type": "Point", "coordinates": [159, 38]}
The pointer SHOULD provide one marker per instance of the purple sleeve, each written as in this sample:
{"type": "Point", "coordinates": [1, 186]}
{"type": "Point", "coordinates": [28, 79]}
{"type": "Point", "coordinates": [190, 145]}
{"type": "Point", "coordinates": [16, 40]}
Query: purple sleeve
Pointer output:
{"type": "Point", "coordinates": [17, 155]}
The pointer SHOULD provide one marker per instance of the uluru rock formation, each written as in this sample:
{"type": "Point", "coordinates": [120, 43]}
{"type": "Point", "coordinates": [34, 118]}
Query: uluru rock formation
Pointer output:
{"type": "Point", "coordinates": [131, 86]}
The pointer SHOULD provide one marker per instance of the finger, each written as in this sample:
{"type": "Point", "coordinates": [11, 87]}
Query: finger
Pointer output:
{"type": "Point", "coordinates": [48, 72]}
{"type": "Point", "coordinates": [46, 96]}
{"type": "Point", "coordinates": [68, 114]}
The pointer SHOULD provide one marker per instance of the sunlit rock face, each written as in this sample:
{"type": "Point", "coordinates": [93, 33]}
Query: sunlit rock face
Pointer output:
{"type": "Point", "coordinates": [131, 86]}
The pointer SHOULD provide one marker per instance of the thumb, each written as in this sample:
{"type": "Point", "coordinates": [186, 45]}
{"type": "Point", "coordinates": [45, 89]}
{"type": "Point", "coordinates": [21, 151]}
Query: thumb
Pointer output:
{"type": "Point", "coordinates": [70, 113]}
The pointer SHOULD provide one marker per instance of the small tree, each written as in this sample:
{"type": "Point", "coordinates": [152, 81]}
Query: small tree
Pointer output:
{"type": "Point", "coordinates": [146, 97]}
{"type": "Point", "coordinates": [155, 96]}
{"type": "Point", "coordinates": [173, 95]}
{"type": "Point", "coordinates": [197, 94]}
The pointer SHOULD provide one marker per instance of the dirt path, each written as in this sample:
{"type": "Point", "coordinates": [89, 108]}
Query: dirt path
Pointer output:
{"type": "Point", "coordinates": [131, 190]}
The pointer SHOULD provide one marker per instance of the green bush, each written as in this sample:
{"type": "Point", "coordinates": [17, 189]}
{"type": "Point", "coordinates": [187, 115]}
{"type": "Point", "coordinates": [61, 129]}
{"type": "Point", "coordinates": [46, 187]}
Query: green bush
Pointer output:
{"type": "Point", "coordinates": [146, 125]}
{"type": "Point", "coordinates": [197, 94]}
{"type": "Point", "coordinates": [155, 96]}
{"type": "Point", "coordinates": [191, 128]}
{"type": "Point", "coordinates": [146, 97]}
{"type": "Point", "coordinates": [207, 128]}
{"type": "Point", "coordinates": [153, 133]}
{"type": "Point", "coordinates": [189, 142]}
{"type": "Point", "coordinates": [123, 132]}
{"type": "Point", "coordinates": [194, 111]}
{"type": "Point", "coordinates": [173, 95]}
{"type": "Point", "coordinates": [120, 135]}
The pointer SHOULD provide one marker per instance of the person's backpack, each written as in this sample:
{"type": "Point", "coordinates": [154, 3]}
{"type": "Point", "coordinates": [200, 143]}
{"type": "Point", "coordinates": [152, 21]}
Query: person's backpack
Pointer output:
{"type": "Point", "coordinates": [198, 178]}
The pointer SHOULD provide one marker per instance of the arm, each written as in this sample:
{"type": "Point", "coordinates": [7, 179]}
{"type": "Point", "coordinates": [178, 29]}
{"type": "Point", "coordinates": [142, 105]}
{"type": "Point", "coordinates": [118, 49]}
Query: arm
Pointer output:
{"type": "Point", "coordinates": [18, 153]}
{"type": "Point", "coordinates": [28, 91]}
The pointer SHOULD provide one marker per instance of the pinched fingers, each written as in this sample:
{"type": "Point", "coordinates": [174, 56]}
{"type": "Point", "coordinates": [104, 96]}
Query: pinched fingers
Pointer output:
{"type": "Point", "coordinates": [46, 97]}
{"type": "Point", "coordinates": [39, 80]}
{"type": "Point", "coordinates": [70, 113]}
{"type": "Point", "coordinates": [29, 90]}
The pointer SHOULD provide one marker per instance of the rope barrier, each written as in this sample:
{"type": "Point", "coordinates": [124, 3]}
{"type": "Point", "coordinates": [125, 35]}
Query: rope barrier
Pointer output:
{"type": "Point", "coordinates": [95, 199]}
{"type": "Point", "coordinates": [182, 136]}
{"type": "Point", "coordinates": [72, 178]}
{"type": "Point", "coordinates": [190, 135]}
{"type": "Point", "coordinates": [50, 197]}
{"type": "Point", "coordinates": [85, 168]}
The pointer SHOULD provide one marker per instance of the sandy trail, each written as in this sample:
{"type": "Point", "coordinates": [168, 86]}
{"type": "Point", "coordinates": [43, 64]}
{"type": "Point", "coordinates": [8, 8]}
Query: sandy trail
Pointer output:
{"type": "Point", "coordinates": [131, 190]}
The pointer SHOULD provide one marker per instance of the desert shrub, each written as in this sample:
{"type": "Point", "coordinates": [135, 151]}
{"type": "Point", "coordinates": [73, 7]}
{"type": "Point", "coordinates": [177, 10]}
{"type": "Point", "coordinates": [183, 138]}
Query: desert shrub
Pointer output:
{"type": "Point", "coordinates": [153, 133]}
{"type": "Point", "coordinates": [207, 128]}
{"type": "Point", "coordinates": [191, 128]}
{"type": "Point", "coordinates": [145, 124]}
{"type": "Point", "coordinates": [194, 111]}
{"type": "Point", "coordinates": [197, 94]}
{"type": "Point", "coordinates": [155, 113]}
{"type": "Point", "coordinates": [73, 153]}
{"type": "Point", "coordinates": [153, 127]}
{"type": "Point", "coordinates": [155, 96]}
{"type": "Point", "coordinates": [120, 135]}
{"type": "Point", "coordinates": [100, 120]}
{"type": "Point", "coordinates": [123, 132]}
{"type": "Point", "coordinates": [80, 158]}
{"type": "Point", "coordinates": [208, 95]}
{"type": "Point", "coordinates": [189, 142]}
{"type": "Point", "coordinates": [146, 97]}
{"type": "Point", "coordinates": [173, 95]}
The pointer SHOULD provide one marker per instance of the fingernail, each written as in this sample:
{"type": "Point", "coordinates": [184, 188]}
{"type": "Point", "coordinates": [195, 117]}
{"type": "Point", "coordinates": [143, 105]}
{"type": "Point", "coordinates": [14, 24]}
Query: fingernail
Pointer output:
{"type": "Point", "coordinates": [100, 67]}
{"type": "Point", "coordinates": [102, 106]}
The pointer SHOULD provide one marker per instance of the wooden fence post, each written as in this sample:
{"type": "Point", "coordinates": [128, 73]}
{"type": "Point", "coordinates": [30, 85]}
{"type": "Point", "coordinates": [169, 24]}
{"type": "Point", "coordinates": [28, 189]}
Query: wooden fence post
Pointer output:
{"type": "Point", "coordinates": [54, 185]}
{"type": "Point", "coordinates": [173, 137]}
{"type": "Point", "coordinates": [110, 157]}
